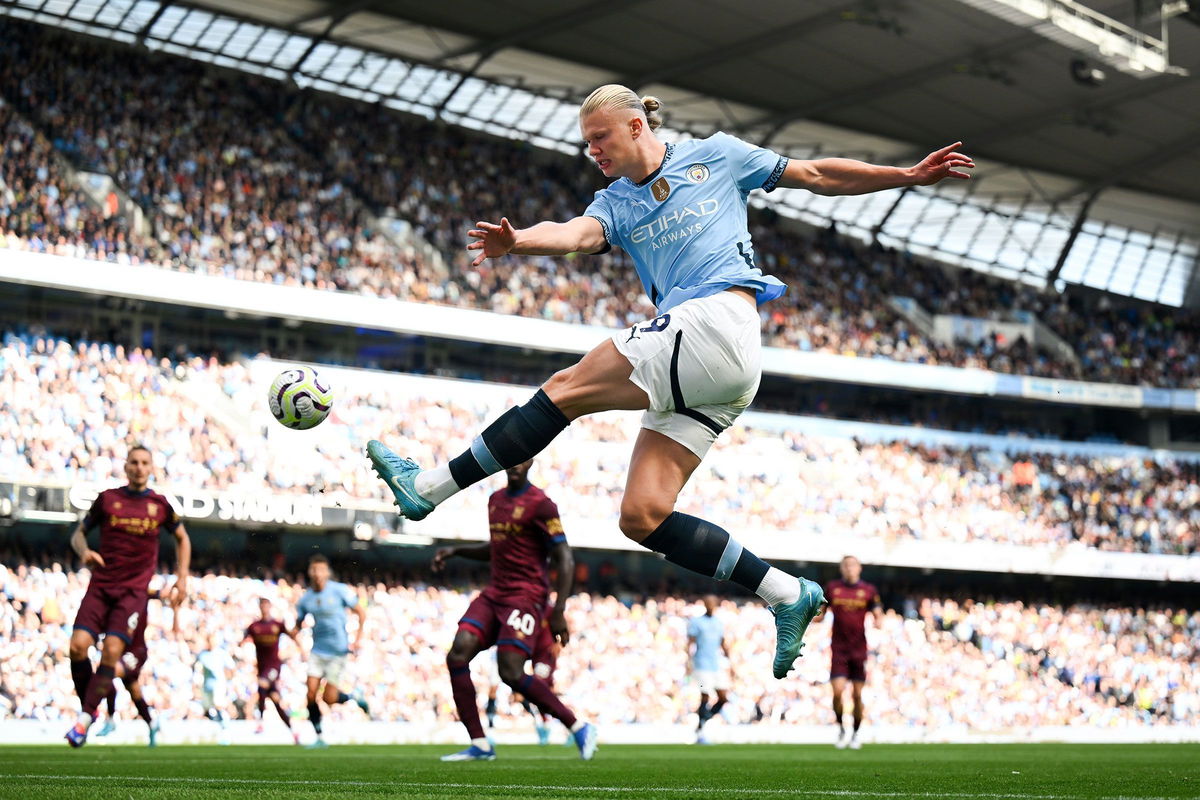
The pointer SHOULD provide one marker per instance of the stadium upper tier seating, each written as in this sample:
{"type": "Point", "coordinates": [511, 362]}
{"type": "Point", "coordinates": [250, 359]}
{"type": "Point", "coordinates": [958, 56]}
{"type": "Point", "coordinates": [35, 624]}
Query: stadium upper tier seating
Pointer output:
{"type": "Point", "coordinates": [68, 411]}
{"type": "Point", "coordinates": [942, 663]}
{"type": "Point", "coordinates": [249, 178]}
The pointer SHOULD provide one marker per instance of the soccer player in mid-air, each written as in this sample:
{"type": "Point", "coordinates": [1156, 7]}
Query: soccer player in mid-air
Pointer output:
{"type": "Point", "coordinates": [849, 599]}
{"type": "Point", "coordinates": [679, 210]}
{"type": "Point", "coordinates": [327, 602]}
{"type": "Point", "coordinates": [265, 632]}
{"type": "Point", "coordinates": [526, 540]}
{"type": "Point", "coordinates": [706, 641]}
{"type": "Point", "coordinates": [114, 605]}
{"type": "Point", "coordinates": [129, 670]}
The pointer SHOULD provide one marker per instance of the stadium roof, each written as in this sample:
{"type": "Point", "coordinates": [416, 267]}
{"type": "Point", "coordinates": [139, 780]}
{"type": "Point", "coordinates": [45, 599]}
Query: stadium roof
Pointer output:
{"type": "Point", "coordinates": [883, 81]}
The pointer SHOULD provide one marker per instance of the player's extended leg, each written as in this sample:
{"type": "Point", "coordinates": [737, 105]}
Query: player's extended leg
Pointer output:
{"type": "Point", "coordinates": [458, 661]}
{"type": "Point", "coordinates": [511, 663]}
{"type": "Point", "coordinates": [599, 382]}
{"type": "Point", "coordinates": [838, 686]}
{"type": "Point", "coordinates": [134, 687]}
{"type": "Point", "coordinates": [658, 470]}
{"type": "Point", "coordinates": [314, 708]}
{"type": "Point", "coordinates": [333, 695]}
{"type": "Point", "coordinates": [81, 665]}
{"type": "Point", "coordinates": [856, 693]}
{"type": "Point", "coordinates": [98, 687]}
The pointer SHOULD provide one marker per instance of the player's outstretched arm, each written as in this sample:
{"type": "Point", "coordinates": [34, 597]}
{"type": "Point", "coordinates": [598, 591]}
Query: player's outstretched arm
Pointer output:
{"type": "Point", "coordinates": [562, 561]}
{"type": "Point", "coordinates": [475, 552]}
{"type": "Point", "coordinates": [845, 176]}
{"type": "Point", "coordinates": [183, 565]}
{"type": "Point", "coordinates": [579, 235]}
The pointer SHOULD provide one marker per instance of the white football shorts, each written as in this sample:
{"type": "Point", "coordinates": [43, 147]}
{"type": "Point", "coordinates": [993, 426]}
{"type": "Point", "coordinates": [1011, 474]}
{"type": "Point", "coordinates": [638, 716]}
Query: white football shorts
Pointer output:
{"type": "Point", "coordinates": [214, 694]}
{"type": "Point", "coordinates": [700, 364]}
{"type": "Point", "coordinates": [328, 667]}
{"type": "Point", "coordinates": [712, 680]}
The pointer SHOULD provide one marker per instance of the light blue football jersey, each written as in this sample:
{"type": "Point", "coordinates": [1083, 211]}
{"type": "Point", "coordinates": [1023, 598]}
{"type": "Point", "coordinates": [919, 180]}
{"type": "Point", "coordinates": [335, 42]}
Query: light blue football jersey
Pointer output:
{"type": "Point", "coordinates": [328, 609]}
{"type": "Point", "coordinates": [685, 227]}
{"type": "Point", "coordinates": [708, 633]}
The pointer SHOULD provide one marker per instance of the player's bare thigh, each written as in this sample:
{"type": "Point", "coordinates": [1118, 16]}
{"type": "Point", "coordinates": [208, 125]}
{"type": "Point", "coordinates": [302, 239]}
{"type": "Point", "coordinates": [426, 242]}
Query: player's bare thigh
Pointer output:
{"type": "Point", "coordinates": [838, 685]}
{"type": "Point", "coordinates": [81, 643]}
{"type": "Point", "coordinates": [599, 382]}
{"type": "Point", "coordinates": [465, 647]}
{"type": "Point", "coordinates": [658, 470]}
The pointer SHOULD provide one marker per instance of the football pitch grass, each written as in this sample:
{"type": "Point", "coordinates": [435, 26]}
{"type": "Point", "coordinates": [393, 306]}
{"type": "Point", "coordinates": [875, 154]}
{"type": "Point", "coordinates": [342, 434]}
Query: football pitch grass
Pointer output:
{"type": "Point", "coordinates": [886, 772]}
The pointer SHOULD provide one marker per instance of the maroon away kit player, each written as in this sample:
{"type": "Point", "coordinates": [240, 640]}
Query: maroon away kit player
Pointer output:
{"type": "Point", "coordinates": [114, 605]}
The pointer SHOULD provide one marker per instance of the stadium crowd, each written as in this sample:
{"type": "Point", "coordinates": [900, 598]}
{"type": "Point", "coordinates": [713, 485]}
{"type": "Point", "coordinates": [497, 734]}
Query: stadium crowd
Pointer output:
{"type": "Point", "coordinates": [67, 412]}
{"type": "Point", "coordinates": [938, 663]}
{"type": "Point", "coordinates": [250, 179]}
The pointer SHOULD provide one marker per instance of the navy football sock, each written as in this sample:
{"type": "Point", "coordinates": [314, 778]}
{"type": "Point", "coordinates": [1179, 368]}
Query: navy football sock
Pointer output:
{"type": "Point", "coordinates": [98, 689]}
{"type": "Point", "coordinates": [707, 549]}
{"type": "Point", "coordinates": [81, 673]}
{"type": "Point", "coordinates": [516, 436]}
{"type": "Point", "coordinates": [314, 716]}
{"type": "Point", "coordinates": [343, 697]}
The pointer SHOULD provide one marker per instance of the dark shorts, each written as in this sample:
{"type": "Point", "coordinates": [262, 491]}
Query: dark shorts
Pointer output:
{"type": "Point", "coordinates": [508, 623]}
{"type": "Point", "coordinates": [111, 611]}
{"type": "Point", "coordinates": [848, 665]}
{"type": "Point", "coordinates": [268, 676]}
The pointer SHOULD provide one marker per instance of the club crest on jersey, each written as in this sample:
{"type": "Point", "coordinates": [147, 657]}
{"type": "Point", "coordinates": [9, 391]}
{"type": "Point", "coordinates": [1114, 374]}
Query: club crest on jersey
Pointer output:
{"type": "Point", "coordinates": [660, 189]}
{"type": "Point", "coordinates": [518, 511]}
{"type": "Point", "coordinates": [697, 173]}
{"type": "Point", "coordinates": [152, 509]}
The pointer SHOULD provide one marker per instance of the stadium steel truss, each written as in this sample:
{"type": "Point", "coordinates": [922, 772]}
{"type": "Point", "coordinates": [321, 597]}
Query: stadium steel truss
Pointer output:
{"type": "Point", "coordinates": [1013, 221]}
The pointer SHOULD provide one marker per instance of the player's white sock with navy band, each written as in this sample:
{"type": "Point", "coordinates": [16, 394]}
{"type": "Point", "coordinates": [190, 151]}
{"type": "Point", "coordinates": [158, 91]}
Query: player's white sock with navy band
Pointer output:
{"type": "Point", "coordinates": [516, 436]}
{"type": "Point", "coordinates": [709, 550]}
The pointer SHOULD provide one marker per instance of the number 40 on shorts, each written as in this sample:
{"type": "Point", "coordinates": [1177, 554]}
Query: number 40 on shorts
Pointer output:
{"type": "Point", "coordinates": [521, 622]}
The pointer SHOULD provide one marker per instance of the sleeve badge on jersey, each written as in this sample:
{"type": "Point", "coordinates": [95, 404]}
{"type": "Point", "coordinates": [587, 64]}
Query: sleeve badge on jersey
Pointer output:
{"type": "Point", "coordinates": [660, 189]}
{"type": "Point", "coordinates": [697, 173]}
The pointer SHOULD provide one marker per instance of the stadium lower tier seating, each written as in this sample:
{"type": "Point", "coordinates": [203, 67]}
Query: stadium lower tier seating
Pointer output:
{"type": "Point", "coordinates": [251, 179]}
{"type": "Point", "coordinates": [69, 411]}
{"type": "Point", "coordinates": [936, 663]}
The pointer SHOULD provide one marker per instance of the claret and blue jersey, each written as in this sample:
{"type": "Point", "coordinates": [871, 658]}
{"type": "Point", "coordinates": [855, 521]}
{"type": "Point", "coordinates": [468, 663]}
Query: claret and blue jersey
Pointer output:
{"type": "Point", "coordinates": [685, 224]}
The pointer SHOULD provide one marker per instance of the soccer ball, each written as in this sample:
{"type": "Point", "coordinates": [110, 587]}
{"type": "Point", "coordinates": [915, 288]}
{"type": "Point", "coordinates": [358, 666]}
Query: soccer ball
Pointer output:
{"type": "Point", "coordinates": [299, 398]}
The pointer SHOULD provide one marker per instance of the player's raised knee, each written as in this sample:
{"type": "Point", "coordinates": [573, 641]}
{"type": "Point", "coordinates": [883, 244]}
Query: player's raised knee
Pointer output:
{"type": "Point", "coordinates": [511, 670]}
{"type": "Point", "coordinates": [640, 518]}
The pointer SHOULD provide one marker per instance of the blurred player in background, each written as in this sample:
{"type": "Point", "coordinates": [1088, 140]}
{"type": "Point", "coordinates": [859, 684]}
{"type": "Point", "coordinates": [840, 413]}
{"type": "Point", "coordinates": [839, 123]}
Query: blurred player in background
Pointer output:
{"type": "Point", "coordinates": [679, 211]}
{"type": "Point", "coordinates": [114, 606]}
{"type": "Point", "coordinates": [849, 600]}
{"type": "Point", "coordinates": [706, 643]}
{"type": "Point", "coordinates": [216, 667]}
{"type": "Point", "coordinates": [525, 533]}
{"type": "Point", "coordinates": [327, 602]}
{"type": "Point", "coordinates": [129, 670]}
{"type": "Point", "coordinates": [265, 632]}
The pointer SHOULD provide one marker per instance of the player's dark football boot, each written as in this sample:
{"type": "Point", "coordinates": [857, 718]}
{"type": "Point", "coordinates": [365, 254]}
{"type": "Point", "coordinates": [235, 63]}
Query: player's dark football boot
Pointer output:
{"type": "Point", "coordinates": [400, 474]}
{"type": "Point", "coordinates": [77, 736]}
{"type": "Point", "coordinates": [791, 621]}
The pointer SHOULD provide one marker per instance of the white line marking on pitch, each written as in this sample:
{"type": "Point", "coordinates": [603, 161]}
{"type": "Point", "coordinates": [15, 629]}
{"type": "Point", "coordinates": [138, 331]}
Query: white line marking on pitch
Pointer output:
{"type": "Point", "coordinates": [690, 790]}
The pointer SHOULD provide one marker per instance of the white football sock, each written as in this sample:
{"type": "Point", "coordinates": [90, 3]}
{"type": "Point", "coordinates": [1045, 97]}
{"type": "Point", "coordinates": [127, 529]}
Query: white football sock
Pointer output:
{"type": "Point", "coordinates": [436, 485]}
{"type": "Point", "coordinates": [778, 587]}
{"type": "Point", "coordinates": [482, 744]}
{"type": "Point", "coordinates": [578, 726]}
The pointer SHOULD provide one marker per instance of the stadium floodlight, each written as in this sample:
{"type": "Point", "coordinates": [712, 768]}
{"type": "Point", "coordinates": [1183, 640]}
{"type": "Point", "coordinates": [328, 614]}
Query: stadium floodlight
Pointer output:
{"type": "Point", "coordinates": [1087, 31]}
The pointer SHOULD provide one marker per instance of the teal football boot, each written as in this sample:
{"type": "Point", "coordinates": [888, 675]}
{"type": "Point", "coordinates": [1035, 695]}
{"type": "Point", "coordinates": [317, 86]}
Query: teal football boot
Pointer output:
{"type": "Point", "coordinates": [400, 474]}
{"type": "Point", "coordinates": [791, 621]}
